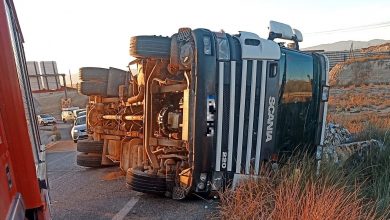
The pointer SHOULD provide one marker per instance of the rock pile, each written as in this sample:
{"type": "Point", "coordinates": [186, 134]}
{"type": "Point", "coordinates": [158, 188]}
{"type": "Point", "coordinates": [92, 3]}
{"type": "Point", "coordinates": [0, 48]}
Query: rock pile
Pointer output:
{"type": "Point", "coordinates": [338, 146]}
{"type": "Point", "coordinates": [336, 134]}
{"type": "Point", "coordinates": [358, 150]}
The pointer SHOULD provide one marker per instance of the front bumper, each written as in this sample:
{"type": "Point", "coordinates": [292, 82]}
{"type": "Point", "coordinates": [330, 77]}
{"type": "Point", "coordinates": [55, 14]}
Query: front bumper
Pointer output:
{"type": "Point", "coordinates": [79, 135]}
{"type": "Point", "coordinates": [49, 122]}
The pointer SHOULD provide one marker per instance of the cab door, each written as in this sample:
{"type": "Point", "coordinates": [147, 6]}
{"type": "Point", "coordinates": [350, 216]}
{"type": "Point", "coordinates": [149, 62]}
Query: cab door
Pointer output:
{"type": "Point", "coordinates": [7, 181]}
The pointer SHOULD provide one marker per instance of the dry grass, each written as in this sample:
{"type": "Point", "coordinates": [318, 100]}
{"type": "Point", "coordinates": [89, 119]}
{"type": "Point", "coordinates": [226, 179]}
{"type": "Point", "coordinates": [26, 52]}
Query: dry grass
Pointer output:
{"type": "Point", "coordinates": [295, 192]}
{"type": "Point", "coordinates": [357, 123]}
{"type": "Point", "coordinates": [357, 107]}
{"type": "Point", "coordinates": [355, 99]}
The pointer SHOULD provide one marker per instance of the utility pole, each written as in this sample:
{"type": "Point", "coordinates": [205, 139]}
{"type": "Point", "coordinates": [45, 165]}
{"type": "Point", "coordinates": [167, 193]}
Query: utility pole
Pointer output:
{"type": "Point", "coordinates": [70, 76]}
{"type": "Point", "coordinates": [66, 92]}
{"type": "Point", "coordinates": [351, 52]}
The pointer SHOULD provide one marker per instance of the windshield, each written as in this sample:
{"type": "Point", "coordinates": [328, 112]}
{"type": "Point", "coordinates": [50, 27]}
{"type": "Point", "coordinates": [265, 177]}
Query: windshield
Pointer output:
{"type": "Point", "coordinates": [81, 113]}
{"type": "Point", "coordinates": [45, 116]}
{"type": "Point", "coordinates": [80, 121]}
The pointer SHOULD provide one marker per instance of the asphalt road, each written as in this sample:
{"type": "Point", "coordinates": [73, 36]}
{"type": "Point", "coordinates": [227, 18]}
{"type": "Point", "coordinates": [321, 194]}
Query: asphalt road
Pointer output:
{"type": "Point", "coordinates": [84, 193]}
{"type": "Point", "coordinates": [46, 132]}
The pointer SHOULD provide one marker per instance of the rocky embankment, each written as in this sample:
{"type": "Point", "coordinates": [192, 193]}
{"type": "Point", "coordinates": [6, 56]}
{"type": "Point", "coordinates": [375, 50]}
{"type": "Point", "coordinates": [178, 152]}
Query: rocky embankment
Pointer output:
{"type": "Point", "coordinates": [363, 71]}
{"type": "Point", "coordinates": [339, 145]}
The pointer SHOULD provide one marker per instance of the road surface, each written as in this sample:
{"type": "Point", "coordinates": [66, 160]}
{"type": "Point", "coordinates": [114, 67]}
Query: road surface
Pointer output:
{"type": "Point", "coordinates": [84, 193]}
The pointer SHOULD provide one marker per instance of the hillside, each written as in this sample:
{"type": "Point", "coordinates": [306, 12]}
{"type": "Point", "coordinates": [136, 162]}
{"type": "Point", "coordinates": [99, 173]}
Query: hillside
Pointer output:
{"type": "Point", "coordinates": [360, 92]}
{"type": "Point", "coordinates": [379, 48]}
{"type": "Point", "coordinates": [361, 72]}
{"type": "Point", "coordinates": [346, 45]}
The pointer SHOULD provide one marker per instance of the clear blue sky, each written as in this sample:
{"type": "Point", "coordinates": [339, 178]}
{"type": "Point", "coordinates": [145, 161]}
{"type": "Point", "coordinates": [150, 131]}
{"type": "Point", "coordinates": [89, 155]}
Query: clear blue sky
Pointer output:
{"type": "Point", "coordinates": [79, 33]}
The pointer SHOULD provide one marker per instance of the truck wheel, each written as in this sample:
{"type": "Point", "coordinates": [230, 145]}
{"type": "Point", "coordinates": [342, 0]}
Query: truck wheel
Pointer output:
{"type": "Point", "coordinates": [140, 181]}
{"type": "Point", "coordinates": [93, 74]}
{"type": "Point", "coordinates": [89, 160]}
{"type": "Point", "coordinates": [93, 88]}
{"type": "Point", "coordinates": [87, 146]}
{"type": "Point", "coordinates": [116, 77]}
{"type": "Point", "coordinates": [150, 47]}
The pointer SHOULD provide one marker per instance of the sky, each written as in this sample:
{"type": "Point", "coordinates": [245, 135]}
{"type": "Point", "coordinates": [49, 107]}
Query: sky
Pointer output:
{"type": "Point", "coordinates": [78, 33]}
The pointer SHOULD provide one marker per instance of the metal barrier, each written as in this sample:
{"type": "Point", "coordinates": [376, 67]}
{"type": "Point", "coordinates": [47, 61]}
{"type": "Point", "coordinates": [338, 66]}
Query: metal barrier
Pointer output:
{"type": "Point", "coordinates": [336, 57]}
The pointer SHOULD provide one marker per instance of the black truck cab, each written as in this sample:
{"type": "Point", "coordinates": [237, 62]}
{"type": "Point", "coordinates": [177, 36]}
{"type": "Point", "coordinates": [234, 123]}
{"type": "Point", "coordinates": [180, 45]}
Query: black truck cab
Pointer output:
{"type": "Point", "coordinates": [259, 99]}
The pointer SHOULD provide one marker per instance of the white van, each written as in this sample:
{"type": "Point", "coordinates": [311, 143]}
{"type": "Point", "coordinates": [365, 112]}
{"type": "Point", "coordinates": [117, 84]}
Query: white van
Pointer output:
{"type": "Point", "coordinates": [67, 114]}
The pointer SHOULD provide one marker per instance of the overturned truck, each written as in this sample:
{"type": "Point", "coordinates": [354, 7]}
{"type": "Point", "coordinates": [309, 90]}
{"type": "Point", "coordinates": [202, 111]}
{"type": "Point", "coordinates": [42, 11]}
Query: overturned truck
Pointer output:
{"type": "Point", "coordinates": [200, 110]}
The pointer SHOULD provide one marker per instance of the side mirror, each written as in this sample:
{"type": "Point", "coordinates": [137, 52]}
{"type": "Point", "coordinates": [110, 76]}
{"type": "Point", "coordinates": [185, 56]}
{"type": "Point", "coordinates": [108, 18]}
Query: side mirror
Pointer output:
{"type": "Point", "coordinates": [280, 30]}
{"type": "Point", "coordinates": [285, 32]}
{"type": "Point", "coordinates": [298, 35]}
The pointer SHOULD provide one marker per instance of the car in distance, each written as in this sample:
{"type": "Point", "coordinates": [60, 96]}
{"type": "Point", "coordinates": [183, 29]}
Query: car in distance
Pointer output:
{"type": "Point", "coordinates": [46, 119]}
{"type": "Point", "coordinates": [79, 130]}
{"type": "Point", "coordinates": [79, 112]}
{"type": "Point", "coordinates": [82, 113]}
{"type": "Point", "coordinates": [68, 114]}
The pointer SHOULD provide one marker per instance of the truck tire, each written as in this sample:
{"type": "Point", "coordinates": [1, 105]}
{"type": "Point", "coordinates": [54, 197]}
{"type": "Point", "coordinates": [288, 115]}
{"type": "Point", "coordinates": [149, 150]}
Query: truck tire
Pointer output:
{"type": "Point", "coordinates": [93, 74]}
{"type": "Point", "coordinates": [150, 47]}
{"type": "Point", "coordinates": [139, 181]}
{"type": "Point", "coordinates": [87, 146]}
{"type": "Point", "coordinates": [89, 160]}
{"type": "Point", "coordinates": [116, 77]}
{"type": "Point", "coordinates": [93, 88]}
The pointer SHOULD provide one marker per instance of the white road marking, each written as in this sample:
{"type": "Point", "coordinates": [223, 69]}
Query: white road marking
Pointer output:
{"type": "Point", "coordinates": [126, 209]}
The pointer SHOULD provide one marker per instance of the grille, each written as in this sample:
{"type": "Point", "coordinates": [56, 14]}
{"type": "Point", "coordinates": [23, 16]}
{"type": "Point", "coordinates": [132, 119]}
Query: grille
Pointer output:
{"type": "Point", "coordinates": [239, 101]}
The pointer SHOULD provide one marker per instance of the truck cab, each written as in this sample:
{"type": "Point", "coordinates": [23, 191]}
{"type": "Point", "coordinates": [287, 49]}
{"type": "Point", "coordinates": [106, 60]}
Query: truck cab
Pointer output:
{"type": "Point", "coordinates": [205, 109]}
{"type": "Point", "coordinates": [23, 181]}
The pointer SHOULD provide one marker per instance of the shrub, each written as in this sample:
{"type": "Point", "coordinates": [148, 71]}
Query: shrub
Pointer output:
{"type": "Point", "coordinates": [296, 192]}
{"type": "Point", "coordinates": [373, 172]}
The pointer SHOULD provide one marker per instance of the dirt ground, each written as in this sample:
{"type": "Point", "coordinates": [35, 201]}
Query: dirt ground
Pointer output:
{"type": "Point", "coordinates": [357, 107]}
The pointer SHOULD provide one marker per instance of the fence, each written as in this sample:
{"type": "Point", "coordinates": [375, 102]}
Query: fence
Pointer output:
{"type": "Point", "coordinates": [34, 75]}
{"type": "Point", "coordinates": [44, 76]}
{"type": "Point", "coordinates": [336, 57]}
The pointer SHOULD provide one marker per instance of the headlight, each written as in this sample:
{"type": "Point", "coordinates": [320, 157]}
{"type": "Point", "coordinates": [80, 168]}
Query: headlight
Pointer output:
{"type": "Point", "coordinates": [75, 131]}
{"type": "Point", "coordinates": [203, 177]}
{"type": "Point", "coordinates": [201, 186]}
{"type": "Point", "coordinates": [207, 45]}
{"type": "Point", "coordinates": [223, 49]}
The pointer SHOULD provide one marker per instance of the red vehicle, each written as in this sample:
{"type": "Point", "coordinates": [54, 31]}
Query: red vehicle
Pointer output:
{"type": "Point", "coordinates": [23, 181]}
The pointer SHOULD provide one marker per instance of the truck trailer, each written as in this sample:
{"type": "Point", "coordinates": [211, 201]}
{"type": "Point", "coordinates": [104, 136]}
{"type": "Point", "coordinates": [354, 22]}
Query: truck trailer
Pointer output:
{"type": "Point", "coordinates": [200, 110]}
{"type": "Point", "coordinates": [23, 181]}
